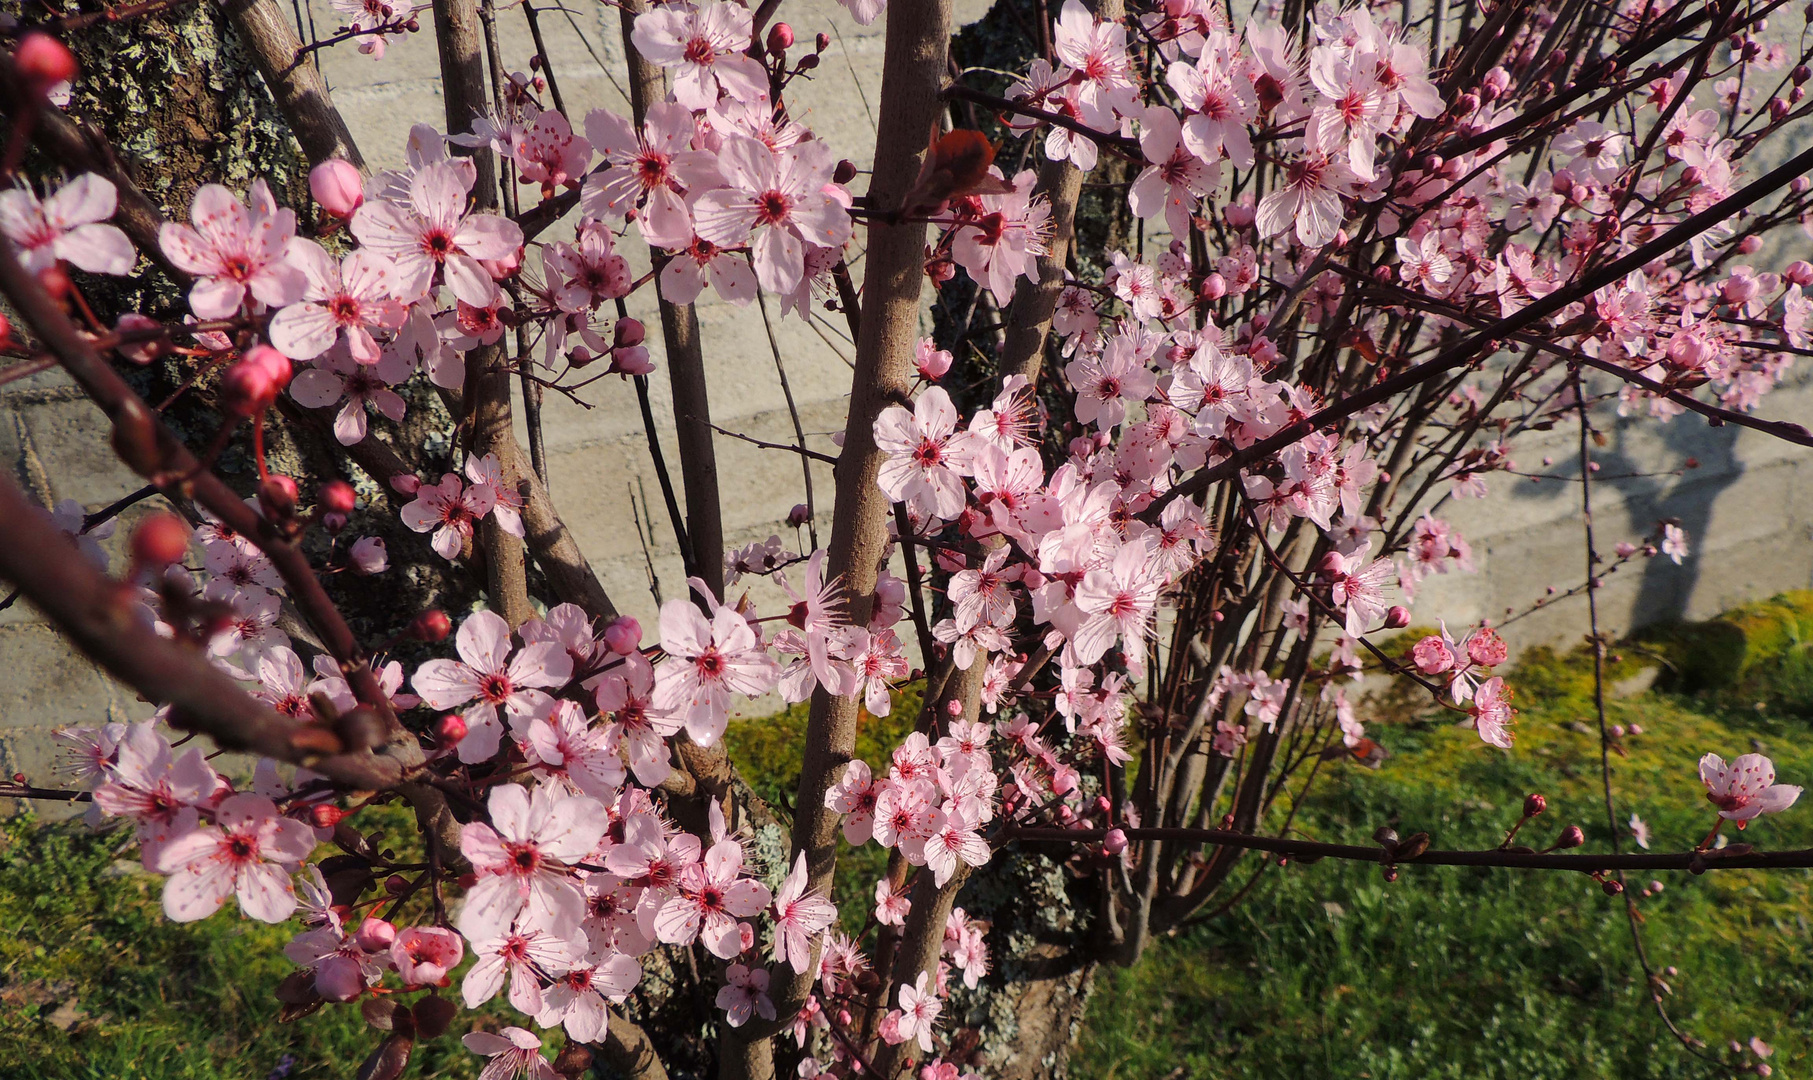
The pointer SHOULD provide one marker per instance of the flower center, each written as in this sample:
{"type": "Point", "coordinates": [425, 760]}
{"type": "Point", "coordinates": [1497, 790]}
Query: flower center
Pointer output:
{"type": "Point", "coordinates": [495, 688]}
{"type": "Point", "coordinates": [699, 51]}
{"type": "Point", "coordinates": [772, 207]}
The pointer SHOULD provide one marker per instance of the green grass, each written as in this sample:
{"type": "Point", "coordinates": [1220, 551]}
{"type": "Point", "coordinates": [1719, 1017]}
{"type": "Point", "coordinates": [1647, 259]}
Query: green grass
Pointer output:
{"type": "Point", "coordinates": [1324, 970]}
{"type": "Point", "coordinates": [1327, 970]}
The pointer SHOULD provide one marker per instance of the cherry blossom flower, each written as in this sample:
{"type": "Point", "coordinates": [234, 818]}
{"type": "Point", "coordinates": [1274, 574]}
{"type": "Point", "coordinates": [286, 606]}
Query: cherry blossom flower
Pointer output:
{"type": "Point", "coordinates": [779, 197]}
{"type": "Point", "coordinates": [516, 954]}
{"type": "Point", "coordinates": [1097, 50]}
{"type": "Point", "coordinates": [684, 276]}
{"type": "Point", "coordinates": [879, 660]}
{"type": "Point", "coordinates": [250, 854]}
{"type": "Point", "coordinates": [707, 662]}
{"type": "Point", "coordinates": [1492, 712]}
{"type": "Point", "coordinates": [514, 1053]}
{"type": "Point", "coordinates": [919, 1007]}
{"type": "Point", "coordinates": [67, 226]}
{"type": "Point", "coordinates": [337, 378]}
{"type": "Point", "coordinates": [519, 858]}
{"type": "Point", "coordinates": [1117, 601]}
{"type": "Point", "coordinates": [576, 1000]}
{"type": "Point", "coordinates": [349, 297]}
{"type": "Point", "coordinates": [745, 995]}
{"type": "Point", "coordinates": [235, 250]}
{"type": "Point", "coordinates": [1107, 383]}
{"type": "Point", "coordinates": [705, 44]}
{"type": "Point", "coordinates": [1674, 542]}
{"type": "Point", "coordinates": [549, 154]}
{"type": "Point", "coordinates": [487, 676]}
{"type": "Point", "coordinates": [927, 455]}
{"type": "Point", "coordinates": [954, 839]}
{"type": "Point", "coordinates": [892, 904]}
{"type": "Point", "coordinates": [564, 746]}
{"type": "Point", "coordinates": [1360, 587]}
{"type": "Point", "coordinates": [1746, 788]}
{"type": "Point", "coordinates": [423, 955]}
{"type": "Point", "coordinates": [636, 727]}
{"type": "Point", "coordinates": [1310, 197]}
{"type": "Point", "coordinates": [1219, 102]}
{"type": "Point", "coordinates": [1352, 112]}
{"type": "Point", "coordinates": [1007, 237]}
{"type": "Point", "coordinates": [653, 169]}
{"type": "Point", "coordinates": [342, 967]}
{"type": "Point", "coordinates": [434, 233]}
{"type": "Point", "coordinates": [710, 896]}
{"type": "Point", "coordinates": [451, 509]}
{"type": "Point", "coordinates": [853, 796]}
{"type": "Point", "coordinates": [1176, 177]}
{"type": "Point", "coordinates": [1423, 263]}
{"type": "Point", "coordinates": [798, 917]}
{"type": "Point", "coordinates": [590, 269]}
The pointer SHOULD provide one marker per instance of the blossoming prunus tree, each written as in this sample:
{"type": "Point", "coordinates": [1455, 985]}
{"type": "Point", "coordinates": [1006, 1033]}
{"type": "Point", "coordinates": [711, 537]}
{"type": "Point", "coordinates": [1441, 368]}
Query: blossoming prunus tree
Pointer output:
{"type": "Point", "coordinates": [1135, 580]}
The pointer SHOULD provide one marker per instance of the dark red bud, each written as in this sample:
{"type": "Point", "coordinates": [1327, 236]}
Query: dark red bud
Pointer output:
{"type": "Point", "coordinates": [1570, 837]}
{"type": "Point", "coordinates": [844, 173]}
{"type": "Point", "coordinates": [160, 540]}
{"type": "Point", "coordinates": [1534, 804]}
{"type": "Point", "coordinates": [337, 497]}
{"type": "Point", "coordinates": [277, 496]}
{"type": "Point", "coordinates": [431, 626]}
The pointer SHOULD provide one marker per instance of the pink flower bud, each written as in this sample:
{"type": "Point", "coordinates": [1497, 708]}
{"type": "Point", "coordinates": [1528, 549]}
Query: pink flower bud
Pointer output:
{"type": "Point", "coordinates": [405, 483]}
{"type": "Point", "coordinates": [1239, 215]}
{"type": "Point", "coordinates": [1534, 804]}
{"type": "Point", "coordinates": [337, 187]}
{"type": "Point", "coordinates": [450, 730]}
{"type": "Point", "coordinates": [150, 340]}
{"type": "Point", "coordinates": [624, 636]}
{"type": "Point", "coordinates": [1115, 842]}
{"type": "Point", "coordinates": [799, 515]}
{"type": "Point", "coordinates": [931, 362]}
{"type": "Point", "coordinates": [1397, 617]}
{"type": "Point", "coordinates": [1750, 245]}
{"type": "Point", "coordinates": [248, 387]}
{"type": "Point", "coordinates": [1570, 837]}
{"type": "Point", "coordinates": [953, 708]}
{"type": "Point", "coordinates": [499, 269]}
{"type": "Point", "coordinates": [369, 556]}
{"type": "Point", "coordinates": [1214, 287]}
{"type": "Point", "coordinates": [628, 332]}
{"type": "Point", "coordinates": [424, 954]}
{"type": "Point", "coordinates": [337, 496]}
{"type": "Point", "coordinates": [1433, 656]}
{"type": "Point", "coordinates": [376, 935]}
{"type": "Point", "coordinates": [160, 540]}
{"type": "Point", "coordinates": [631, 360]}
{"type": "Point", "coordinates": [1799, 272]}
{"type": "Point", "coordinates": [43, 61]}
{"type": "Point", "coordinates": [277, 496]}
{"type": "Point", "coordinates": [780, 38]}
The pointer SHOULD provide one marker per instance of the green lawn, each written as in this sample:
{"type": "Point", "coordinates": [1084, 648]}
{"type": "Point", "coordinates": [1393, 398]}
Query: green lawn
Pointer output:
{"type": "Point", "coordinates": [1325, 970]}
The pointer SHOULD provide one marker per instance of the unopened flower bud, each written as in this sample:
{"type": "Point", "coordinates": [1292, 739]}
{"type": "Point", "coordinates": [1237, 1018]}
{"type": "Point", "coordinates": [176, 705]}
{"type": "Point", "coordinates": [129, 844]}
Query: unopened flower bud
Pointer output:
{"type": "Point", "coordinates": [450, 730]}
{"type": "Point", "coordinates": [326, 816]}
{"type": "Point", "coordinates": [780, 37]}
{"type": "Point", "coordinates": [1570, 837]}
{"type": "Point", "coordinates": [1612, 886]}
{"type": "Point", "coordinates": [1534, 804]}
{"type": "Point", "coordinates": [253, 382]}
{"type": "Point", "coordinates": [369, 555]}
{"type": "Point", "coordinates": [1214, 286]}
{"type": "Point", "coordinates": [1800, 185]}
{"type": "Point", "coordinates": [823, 41]}
{"type": "Point", "coordinates": [623, 636]}
{"type": "Point", "coordinates": [1778, 109]}
{"type": "Point", "coordinates": [953, 708]}
{"type": "Point", "coordinates": [396, 883]}
{"type": "Point", "coordinates": [337, 187]}
{"type": "Point", "coordinates": [628, 332]}
{"type": "Point", "coordinates": [844, 173]}
{"type": "Point", "coordinates": [799, 515]}
{"type": "Point", "coordinates": [1397, 617]}
{"type": "Point", "coordinates": [337, 497]}
{"type": "Point", "coordinates": [277, 496]}
{"type": "Point", "coordinates": [1115, 842]}
{"type": "Point", "coordinates": [160, 540]}
{"type": "Point", "coordinates": [431, 626]}
{"type": "Point", "coordinates": [43, 61]}
{"type": "Point", "coordinates": [376, 935]}
{"type": "Point", "coordinates": [149, 341]}
{"type": "Point", "coordinates": [1799, 272]}
{"type": "Point", "coordinates": [1750, 245]}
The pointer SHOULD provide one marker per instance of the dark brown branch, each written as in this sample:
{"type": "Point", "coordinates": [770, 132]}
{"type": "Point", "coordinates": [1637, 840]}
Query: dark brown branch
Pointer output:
{"type": "Point", "coordinates": [300, 90]}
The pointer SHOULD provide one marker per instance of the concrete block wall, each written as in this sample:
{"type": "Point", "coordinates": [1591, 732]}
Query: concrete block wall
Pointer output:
{"type": "Point", "coordinates": [1748, 507]}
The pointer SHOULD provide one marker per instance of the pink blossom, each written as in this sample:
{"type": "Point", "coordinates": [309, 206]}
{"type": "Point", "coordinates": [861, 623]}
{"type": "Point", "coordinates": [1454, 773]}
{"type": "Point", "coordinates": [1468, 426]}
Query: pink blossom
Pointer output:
{"type": "Point", "coordinates": [513, 1052]}
{"type": "Point", "coordinates": [250, 853]}
{"type": "Point", "coordinates": [425, 954]}
{"type": "Point", "coordinates": [799, 917]}
{"type": "Point", "coordinates": [626, 695]}
{"type": "Point", "coordinates": [368, 555]}
{"type": "Point", "coordinates": [684, 277]}
{"type": "Point", "coordinates": [707, 662]}
{"type": "Point", "coordinates": [853, 796]}
{"type": "Point", "coordinates": [433, 232]}
{"type": "Point", "coordinates": [576, 1000]}
{"type": "Point", "coordinates": [338, 378]}
{"type": "Point", "coordinates": [517, 954]}
{"type": "Point", "coordinates": [1492, 712]}
{"type": "Point", "coordinates": [590, 269]}
{"type": "Point", "coordinates": [343, 969]}
{"type": "Point", "coordinates": [549, 154]}
{"type": "Point", "coordinates": [1433, 656]}
{"type": "Point", "coordinates": [1107, 383]}
{"type": "Point", "coordinates": [706, 45]}
{"type": "Point", "coordinates": [778, 196]}
{"type": "Point", "coordinates": [1310, 197]}
{"type": "Point", "coordinates": [489, 677]}
{"type": "Point", "coordinates": [710, 895]}
{"type": "Point", "coordinates": [563, 745]}
{"type": "Point", "coordinates": [1097, 50]}
{"type": "Point", "coordinates": [1360, 587]}
{"type": "Point", "coordinates": [66, 226]}
{"type": "Point", "coordinates": [1219, 102]}
{"type": "Point", "coordinates": [919, 1007]}
{"type": "Point", "coordinates": [1746, 788]}
{"type": "Point", "coordinates": [350, 297]}
{"type": "Point", "coordinates": [451, 510]}
{"type": "Point", "coordinates": [1005, 239]}
{"type": "Point", "coordinates": [523, 857]}
{"type": "Point", "coordinates": [1674, 542]}
{"type": "Point", "coordinates": [234, 250]}
{"type": "Point", "coordinates": [652, 169]}
{"type": "Point", "coordinates": [927, 455]}
{"type": "Point", "coordinates": [1176, 177]}
{"type": "Point", "coordinates": [745, 995]}
{"type": "Point", "coordinates": [953, 839]}
{"type": "Point", "coordinates": [1117, 601]}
